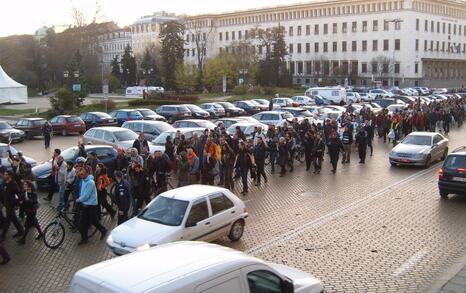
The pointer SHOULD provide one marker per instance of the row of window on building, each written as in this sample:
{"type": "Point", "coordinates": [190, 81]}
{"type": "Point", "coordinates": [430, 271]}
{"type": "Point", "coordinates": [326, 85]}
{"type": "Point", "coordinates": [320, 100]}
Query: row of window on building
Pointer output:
{"type": "Point", "coordinates": [115, 46]}
{"type": "Point", "coordinates": [344, 67]}
{"type": "Point", "coordinates": [441, 46]}
{"type": "Point", "coordinates": [324, 46]}
{"type": "Point", "coordinates": [441, 27]}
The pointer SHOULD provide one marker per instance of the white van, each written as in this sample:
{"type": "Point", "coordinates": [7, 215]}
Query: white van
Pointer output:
{"type": "Point", "coordinates": [137, 91]}
{"type": "Point", "coordinates": [191, 267]}
{"type": "Point", "coordinates": [336, 95]}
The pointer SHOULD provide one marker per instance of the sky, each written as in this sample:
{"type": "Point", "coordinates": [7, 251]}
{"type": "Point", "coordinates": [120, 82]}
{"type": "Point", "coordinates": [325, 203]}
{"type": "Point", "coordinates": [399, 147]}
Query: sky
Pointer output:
{"type": "Point", "coordinates": [25, 16]}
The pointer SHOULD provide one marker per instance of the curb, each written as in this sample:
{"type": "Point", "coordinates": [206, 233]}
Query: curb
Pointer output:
{"type": "Point", "coordinates": [449, 274]}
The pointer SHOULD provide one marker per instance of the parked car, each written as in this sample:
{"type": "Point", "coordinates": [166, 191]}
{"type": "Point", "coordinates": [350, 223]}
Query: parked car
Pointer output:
{"type": "Point", "coordinates": [174, 112]}
{"type": "Point", "coordinates": [124, 115]}
{"type": "Point", "coordinates": [194, 212]}
{"type": "Point", "coordinates": [10, 134]}
{"type": "Point", "coordinates": [320, 101]}
{"type": "Point", "coordinates": [106, 154]}
{"type": "Point", "coordinates": [31, 126]}
{"type": "Point", "coordinates": [299, 113]}
{"type": "Point", "coordinates": [303, 100]}
{"type": "Point", "coordinates": [65, 124]}
{"type": "Point", "coordinates": [206, 124]}
{"type": "Point", "coordinates": [335, 95]}
{"type": "Point", "coordinates": [151, 129]}
{"type": "Point", "coordinates": [148, 114]}
{"type": "Point", "coordinates": [452, 175]}
{"type": "Point", "coordinates": [395, 108]}
{"type": "Point", "coordinates": [231, 110]}
{"type": "Point", "coordinates": [265, 102]}
{"type": "Point", "coordinates": [365, 97]}
{"type": "Point", "coordinates": [374, 93]}
{"type": "Point", "coordinates": [260, 105]}
{"type": "Point", "coordinates": [159, 143]}
{"type": "Point", "coordinates": [114, 136]}
{"type": "Point", "coordinates": [197, 112]}
{"type": "Point", "coordinates": [95, 119]}
{"type": "Point", "coordinates": [4, 149]}
{"type": "Point", "coordinates": [284, 102]}
{"type": "Point", "coordinates": [227, 122]}
{"type": "Point", "coordinates": [276, 118]}
{"type": "Point", "coordinates": [247, 128]}
{"type": "Point", "coordinates": [248, 106]}
{"type": "Point", "coordinates": [215, 110]}
{"type": "Point", "coordinates": [420, 149]}
{"type": "Point", "coordinates": [385, 102]}
{"type": "Point", "coordinates": [353, 97]}
{"type": "Point", "coordinates": [192, 267]}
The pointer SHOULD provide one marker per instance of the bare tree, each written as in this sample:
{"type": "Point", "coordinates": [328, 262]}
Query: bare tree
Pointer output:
{"type": "Point", "coordinates": [202, 30]}
{"type": "Point", "coordinates": [385, 65]}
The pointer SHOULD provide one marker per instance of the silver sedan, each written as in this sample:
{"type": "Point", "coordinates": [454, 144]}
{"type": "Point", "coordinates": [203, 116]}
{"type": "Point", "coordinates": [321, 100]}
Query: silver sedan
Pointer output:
{"type": "Point", "coordinates": [420, 149]}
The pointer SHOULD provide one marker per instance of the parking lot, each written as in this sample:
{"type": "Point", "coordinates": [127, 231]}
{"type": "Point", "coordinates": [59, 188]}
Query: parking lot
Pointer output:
{"type": "Point", "coordinates": [369, 228]}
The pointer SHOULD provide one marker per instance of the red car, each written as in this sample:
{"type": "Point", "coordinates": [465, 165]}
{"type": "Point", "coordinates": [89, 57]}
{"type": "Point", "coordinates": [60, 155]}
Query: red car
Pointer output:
{"type": "Point", "coordinates": [65, 124]}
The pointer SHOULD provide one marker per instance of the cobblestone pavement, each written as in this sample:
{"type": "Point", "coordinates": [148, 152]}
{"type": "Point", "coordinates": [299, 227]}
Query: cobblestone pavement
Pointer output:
{"type": "Point", "coordinates": [369, 228]}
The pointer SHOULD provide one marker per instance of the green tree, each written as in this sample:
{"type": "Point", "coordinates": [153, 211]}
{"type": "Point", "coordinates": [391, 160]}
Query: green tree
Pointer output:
{"type": "Point", "coordinates": [128, 67]}
{"type": "Point", "coordinates": [116, 67]}
{"type": "Point", "coordinates": [76, 75]}
{"type": "Point", "coordinates": [172, 51]}
{"type": "Point", "coordinates": [64, 102]}
{"type": "Point", "coordinates": [149, 69]}
{"type": "Point", "coordinates": [186, 77]}
{"type": "Point", "coordinates": [215, 69]}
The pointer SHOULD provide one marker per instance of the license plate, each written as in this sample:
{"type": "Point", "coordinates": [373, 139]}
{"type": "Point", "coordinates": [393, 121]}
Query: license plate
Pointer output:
{"type": "Point", "coordinates": [461, 179]}
{"type": "Point", "coordinates": [405, 160]}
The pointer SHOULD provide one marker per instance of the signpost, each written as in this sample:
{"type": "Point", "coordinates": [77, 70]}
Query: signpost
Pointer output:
{"type": "Point", "coordinates": [224, 84]}
{"type": "Point", "coordinates": [105, 92]}
{"type": "Point", "coordinates": [76, 87]}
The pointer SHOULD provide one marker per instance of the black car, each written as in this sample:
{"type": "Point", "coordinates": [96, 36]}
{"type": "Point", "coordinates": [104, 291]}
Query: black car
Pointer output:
{"type": "Point", "coordinates": [106, 154]}
{"type": "Point", "coordinates": [9, 134]}
{"type": "Point", "coordinates": [197, 111]}
{"type": "Point", "coordinates": [174, 112]}
{"type": "Point", "coordinates": [385, 102]}
{"type": "Point", "coordinates": [248, 106]}
{"type": "Point", "coordinates": [148, 114]}
{"type": "Point", "coordinates": [96, 119]}
{"type": "Point", "coordinates": [452, 175]}
{"type": "Point", "coordinates": [231, 110]}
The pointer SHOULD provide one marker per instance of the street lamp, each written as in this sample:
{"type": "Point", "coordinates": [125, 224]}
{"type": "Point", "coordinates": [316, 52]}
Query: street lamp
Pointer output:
{"type": "Point", "coordinates": [65, 74]}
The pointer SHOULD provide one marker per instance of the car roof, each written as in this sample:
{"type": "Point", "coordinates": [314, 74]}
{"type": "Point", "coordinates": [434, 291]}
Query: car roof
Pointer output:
{"type": "Point", "coordinates": [66, 116]}
{"type": "Point", "coordinates": [424, 133]}
{"type": "Point", "coordinates": [192, 120]}
{"type": "Point", "coordinates": [185, 129]}
{"type": "Point", "coordinates": [194, 260]}
{"type": "Point", "coordinates": [145, 122]}
{"type": "Point", "coordinates": [110, 128]}
{"type": "Point", "coordinates": [32, 119]}
{"type": "Point", "coordinates": [96, 112]}
{"type": "Point", "coordinates": [192, 192]}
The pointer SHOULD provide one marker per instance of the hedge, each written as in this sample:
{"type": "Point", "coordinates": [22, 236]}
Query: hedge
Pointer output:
{"type": "Point", "coordinates": [135, 103]}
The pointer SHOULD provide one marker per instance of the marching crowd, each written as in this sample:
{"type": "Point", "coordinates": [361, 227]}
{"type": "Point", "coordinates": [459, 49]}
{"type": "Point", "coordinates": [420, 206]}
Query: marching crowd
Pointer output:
{"type": "Point", "coordinates": [215, 157]}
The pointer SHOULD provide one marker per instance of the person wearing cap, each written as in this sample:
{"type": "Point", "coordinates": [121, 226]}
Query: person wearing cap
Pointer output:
{"type": "Point", "coordinates": [122, 197]}
{"type": "Point", "coordinates": [53, 174]}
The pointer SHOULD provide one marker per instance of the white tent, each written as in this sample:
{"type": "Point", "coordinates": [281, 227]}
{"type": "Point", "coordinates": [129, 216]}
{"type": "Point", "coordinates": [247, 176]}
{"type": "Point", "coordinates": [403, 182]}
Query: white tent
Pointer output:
{"type": "Point", "coordinates": [11, 91]}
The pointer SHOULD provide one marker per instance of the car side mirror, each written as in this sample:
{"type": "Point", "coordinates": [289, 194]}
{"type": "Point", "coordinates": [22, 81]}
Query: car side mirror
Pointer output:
{"type": "Point", "coordinates": [190, 224]}
{"type": "Point", "coordinates": [288, 286]}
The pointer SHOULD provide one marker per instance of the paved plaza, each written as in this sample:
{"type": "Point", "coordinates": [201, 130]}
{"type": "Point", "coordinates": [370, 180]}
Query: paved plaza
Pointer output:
{"type": "Point", "coordinates": [368, 228]}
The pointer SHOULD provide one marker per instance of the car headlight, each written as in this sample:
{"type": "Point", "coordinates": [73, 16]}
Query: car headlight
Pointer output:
{"type": "Point", "coordinates": [144, 247]}
{"type": "Point", "coordinates": [421, 155]}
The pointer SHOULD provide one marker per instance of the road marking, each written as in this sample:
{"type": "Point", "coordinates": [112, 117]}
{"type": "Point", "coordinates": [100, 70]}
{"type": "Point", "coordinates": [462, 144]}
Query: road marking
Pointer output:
{"type": "Point", "coordinates": [336, 213]}
{"type": "Point", "coordinates": [410, 263]}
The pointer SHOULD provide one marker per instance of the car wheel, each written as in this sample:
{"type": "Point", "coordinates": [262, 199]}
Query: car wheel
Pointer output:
{"type": "Point", "coordinates": [236, 231]}
{"type": "Point", "coordinates": [393, 164]}
{"type": "Point", "coordinates": [445, 154]}
{"type": "Point", "coordinates": [443, 194]}
{"type": "Point", "coordinates": [63, 132]}
{"type": "Point", "coordinates": [428, 161]}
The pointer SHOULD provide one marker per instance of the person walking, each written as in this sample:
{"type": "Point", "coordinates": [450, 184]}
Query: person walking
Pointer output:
{"type": "Point", "coordinates": [11, 198]}
{"type": "Point", "coordinates": [318, 149]}
{"type": "Point", "coordinates": [259, 157]}
{"type": "Point", "coordinates": [243, 162]}
{"type": "Point", "coordinates": [370, 135]}
{"type": "Point", "coordinates": [60, 180]}
{"type": "Point", "coordinates": [47, 133]}
{"type": "Point", "coordinates": [227, 161]}
{"type": "Point", "coordinates": [361, 141]}
{"type": "Point", "coordinates": [89, 206]}
{"type": "Point", "coordinates": [194, 164]}
{"type": "Point", "coordinates": [102, 183]}
{"type": "Point", "coordinates": [334, 147]}
{"type": "Point", "coordinates": [30, 206]}
{"type": "Point", "coordinates": [308, 143]}
{"type": "Point", "coordinates": [53, 175]}
{"type": "Point", "coordinates": [182, 168]}
{"type": "Point", "coordinates": [122, 197]}
{"type": "Point", "coordinates": [347, 141]}
{"type": "Point", "coordinates": [282, 155]}
{"type": "Point", "coordinates": [70, 179]}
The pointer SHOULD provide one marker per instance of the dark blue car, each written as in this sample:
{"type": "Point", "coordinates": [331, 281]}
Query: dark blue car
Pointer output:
{"type": "Point", "coordinates": [106, 154]}
{"type": "Point", "coordinates": [124, 115]}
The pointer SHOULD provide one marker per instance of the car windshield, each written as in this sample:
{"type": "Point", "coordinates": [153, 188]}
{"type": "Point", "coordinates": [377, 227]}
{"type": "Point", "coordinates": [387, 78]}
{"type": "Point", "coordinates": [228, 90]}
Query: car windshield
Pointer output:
{"type": "Point", "coordinates": [125, 135]}
{"type": "Point", "coordinates": [4, 125]}
{"type": "Point", "coordinates": [38, 122]}
{"type": "Point", "coordinates": [73, 119]}
{"type": "Point", "coordinates": [134, 113]}
{"type": "Point", "coordinates": [262, 102]}
{"type": "Point", "coordinates": [195, 108]}
{"type": "Point", "coordinates": [205, 124]}
{"type": "Point", "coordinates": [454, 162]}
{"type": "Point", "coordinates": [417, 140]}
{"type": "Point", "coordinates": [305, 113]}
{"type": "Point", "coordinates": [147, 112]}
{"type": "Point", "coordinates": [164, 127]}
{"type": "Point", "coordinates": [69, 154]}
{"type": "Point", "coordinates": [165, 211]}
{"type": "Point", "coordinates": [102, 115]}
{"type": "Point", "coordinates": [162, 138]}
{"type": "Point", "coordinates": [183, 109]}
{"type": "Point", "coordinates": [227, 105]}
{"type": "Point", "coordinates": [287, 116]}
{"type": "Point", "coordinates": [4, 149]}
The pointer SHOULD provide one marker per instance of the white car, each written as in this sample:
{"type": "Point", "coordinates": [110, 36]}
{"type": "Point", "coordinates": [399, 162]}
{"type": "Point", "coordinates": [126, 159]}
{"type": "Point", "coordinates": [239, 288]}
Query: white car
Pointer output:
{"type": "Point", "coordinates": [395, 108]}
{"type": "Point", "coordinates": [158, 144]}
{"type": "Point", "coordinates": [283, 102]}
{"type": "Point", "coordinates": [353, 97]}
{"type": "Point", "coordinates": [247, 128]}
{"type": "Point", "coordinates": [365, 97]}
{"type": "Point", "coordinates": [194, 212]}
{"type": "Point", "coordinates": [192, 267]}
{"type": "Point", "coordinates": [206, 124]}
{"type": "Point", "coordinates": [276, 118]}
{"type": "Point", "coordinates": [303, 100]}
{"type": "Point", "coordinates": [373, 93]}
{"type": "Point", "coordinates": [229, 121]}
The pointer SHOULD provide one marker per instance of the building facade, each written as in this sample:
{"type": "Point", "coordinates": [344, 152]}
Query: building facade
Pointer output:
{"type": "Point", "coordinates": [371, 42]}
{"type": "Point", "coordinates": [113, 45]}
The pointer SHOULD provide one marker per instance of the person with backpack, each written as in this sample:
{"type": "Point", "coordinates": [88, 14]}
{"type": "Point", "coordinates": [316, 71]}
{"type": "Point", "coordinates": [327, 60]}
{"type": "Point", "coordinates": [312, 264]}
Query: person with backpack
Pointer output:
{"type": "Point", "coordinates": [30, 205]}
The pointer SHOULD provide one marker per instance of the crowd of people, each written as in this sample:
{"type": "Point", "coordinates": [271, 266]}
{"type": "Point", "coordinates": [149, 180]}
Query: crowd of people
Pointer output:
{"type": "Point", "coordinates": [213, 158]}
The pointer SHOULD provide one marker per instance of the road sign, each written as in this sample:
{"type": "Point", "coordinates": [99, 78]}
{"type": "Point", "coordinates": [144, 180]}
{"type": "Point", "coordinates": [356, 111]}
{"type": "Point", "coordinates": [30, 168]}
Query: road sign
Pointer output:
{"type": "Point", "coordinates": [76, 87]}
{"type": "Point", "coordinates": [105, 89]}
{"type": "Point", "coordinates": [224, 84]}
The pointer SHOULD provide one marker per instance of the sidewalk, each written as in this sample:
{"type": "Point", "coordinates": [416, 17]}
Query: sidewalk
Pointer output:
{"type": "Point", "coordinates": [457, 284]}
{"type": "Point", "coordinates": [452, 280]}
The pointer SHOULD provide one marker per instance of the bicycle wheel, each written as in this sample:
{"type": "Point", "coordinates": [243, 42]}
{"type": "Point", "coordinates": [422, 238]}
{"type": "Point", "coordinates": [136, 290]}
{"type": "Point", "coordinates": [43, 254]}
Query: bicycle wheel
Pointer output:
{"type": "Point", "coordinates": [300, 156]}
{"type": "Point", "coordinates": [267, 159]}
{"type": "Point", "coordinates": [54, 234]}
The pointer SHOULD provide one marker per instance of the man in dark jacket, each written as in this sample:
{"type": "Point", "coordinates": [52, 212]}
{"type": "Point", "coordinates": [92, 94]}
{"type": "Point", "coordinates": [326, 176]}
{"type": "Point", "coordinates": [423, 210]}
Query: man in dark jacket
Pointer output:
{"type": "Point", "coordinates": [334, 147]}
{"type": "Point", "coordinates": [361, 141]}
{"type": "Point", "coordinates": [259, 156]}
{"type": "Point", "coordinates": [347, 140]}
{"type": "Point", "coordinates": [123, 197]}
{"type": "Point", "coordinates": [140, 142]}
{"type": "Point", "coordinates": [11, 198]}
{"type": "Point", "coordinates": [370, 135]}
{"type": "Point", "coordinates": [243, 162]}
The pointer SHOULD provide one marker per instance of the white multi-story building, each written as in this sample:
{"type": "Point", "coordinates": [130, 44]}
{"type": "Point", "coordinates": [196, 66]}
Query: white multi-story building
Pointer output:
{"type": "Point", "coordinates": [113, 45]}
{"type": "Point", "coordinates": [145, 31]}
{"type": "Point", "coordinates": [388, 42]}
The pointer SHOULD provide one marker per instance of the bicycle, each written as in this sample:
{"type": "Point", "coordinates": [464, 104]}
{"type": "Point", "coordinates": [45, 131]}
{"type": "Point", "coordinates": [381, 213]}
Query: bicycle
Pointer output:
{"type": "Point", "coordinates": [299, 154]}
{"type": "Point", "coordinates": [54, 232]}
